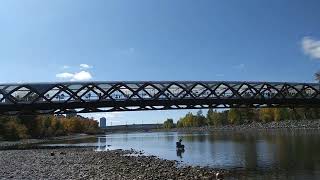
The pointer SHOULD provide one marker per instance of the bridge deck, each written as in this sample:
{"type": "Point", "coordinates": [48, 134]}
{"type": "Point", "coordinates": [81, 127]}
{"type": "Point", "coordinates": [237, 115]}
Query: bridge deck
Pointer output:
{"type": "Point", "coordinates": [44, 98]}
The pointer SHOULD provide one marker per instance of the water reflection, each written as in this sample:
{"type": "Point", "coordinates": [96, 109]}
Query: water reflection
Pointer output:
{"type": "Point", "coordinates": [288, 152]}
{"type": "Point", "coordinates": [102, 144]}
{"type": "Point", "coordinates": [180, 152]}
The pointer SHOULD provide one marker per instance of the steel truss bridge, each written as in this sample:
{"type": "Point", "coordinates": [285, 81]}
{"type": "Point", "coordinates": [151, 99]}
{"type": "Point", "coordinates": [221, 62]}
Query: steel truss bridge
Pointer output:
{"type": "Point", "coordinates": [84, 97]}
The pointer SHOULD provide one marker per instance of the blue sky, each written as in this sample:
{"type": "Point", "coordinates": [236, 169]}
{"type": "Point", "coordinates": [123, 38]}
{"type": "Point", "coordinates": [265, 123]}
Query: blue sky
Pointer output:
{"type": "Point", "coordinates": [274, 40]}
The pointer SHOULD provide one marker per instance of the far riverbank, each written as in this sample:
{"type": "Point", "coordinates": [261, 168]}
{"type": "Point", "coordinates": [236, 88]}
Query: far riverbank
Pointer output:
{"type": "Point", "coordinates": [287, 124]}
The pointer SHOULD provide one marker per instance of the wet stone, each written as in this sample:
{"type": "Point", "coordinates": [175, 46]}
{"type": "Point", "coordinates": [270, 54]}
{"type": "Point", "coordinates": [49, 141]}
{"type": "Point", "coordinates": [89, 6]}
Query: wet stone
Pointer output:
{"type": "Point", "coordinates": [87, 164]}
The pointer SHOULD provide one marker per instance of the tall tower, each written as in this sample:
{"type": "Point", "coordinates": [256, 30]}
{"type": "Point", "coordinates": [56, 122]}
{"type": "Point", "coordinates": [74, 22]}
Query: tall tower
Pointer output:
{"type": "Point", "coordinates": [103, 122]}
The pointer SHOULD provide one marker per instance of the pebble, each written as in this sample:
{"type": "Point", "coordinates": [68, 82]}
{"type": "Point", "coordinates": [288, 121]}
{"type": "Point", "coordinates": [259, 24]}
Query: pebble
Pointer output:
{"type": "Point", "coordinates": [82, 163]}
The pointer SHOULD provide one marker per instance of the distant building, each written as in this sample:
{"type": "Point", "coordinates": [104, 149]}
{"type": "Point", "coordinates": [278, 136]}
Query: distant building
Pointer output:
{"type": "Point", "coordinates": [103, 122]}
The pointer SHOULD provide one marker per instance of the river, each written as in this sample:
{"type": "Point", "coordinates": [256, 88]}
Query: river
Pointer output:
{"type": "Point", "coordinates": [284, 154]}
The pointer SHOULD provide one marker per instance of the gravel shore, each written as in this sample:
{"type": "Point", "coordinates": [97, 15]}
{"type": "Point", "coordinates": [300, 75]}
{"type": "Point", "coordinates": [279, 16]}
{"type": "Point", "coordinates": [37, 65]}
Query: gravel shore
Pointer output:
{"type": "Point", "coordinates": [85, 163]}
{"type": "Point", "coordinates": [27, 143]}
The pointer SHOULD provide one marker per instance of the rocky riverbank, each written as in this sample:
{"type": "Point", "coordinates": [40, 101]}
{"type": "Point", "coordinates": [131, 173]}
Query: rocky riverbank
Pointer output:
{"type": "Point", "coordinates": [28, 143]}
{"type": "Point", "coordinates": [288, 124]}
{"type": "Point", "coordinates": [88, 164]}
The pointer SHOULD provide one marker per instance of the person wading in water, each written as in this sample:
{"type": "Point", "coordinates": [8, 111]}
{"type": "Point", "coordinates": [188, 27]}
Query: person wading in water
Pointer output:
{"type": "Point", "coordinates": [179, 145]}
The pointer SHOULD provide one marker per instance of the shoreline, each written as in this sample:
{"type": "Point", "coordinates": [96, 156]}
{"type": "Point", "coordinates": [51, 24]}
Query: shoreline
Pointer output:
{"type": "Point", "coordinates": [33, 143]}
{"type": "Point", "coordinates": [85, 163]}
{"type": "Point", "coordinates": [285, 125]}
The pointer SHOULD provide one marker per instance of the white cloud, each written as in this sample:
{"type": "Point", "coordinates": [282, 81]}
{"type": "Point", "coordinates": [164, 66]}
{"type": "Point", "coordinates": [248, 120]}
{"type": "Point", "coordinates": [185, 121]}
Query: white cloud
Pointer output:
{"type": "Point", "coordinates": [65, 75]}
{"type": "Point", "coordinates": [85, 66]}
{"type": "Point", "coordinates": [311, 47]}
{"type": "Point", "coordinates": [79, 76]}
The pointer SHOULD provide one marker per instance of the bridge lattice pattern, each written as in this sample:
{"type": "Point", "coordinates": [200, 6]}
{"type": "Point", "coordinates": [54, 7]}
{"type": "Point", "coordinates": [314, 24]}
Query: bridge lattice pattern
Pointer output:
{"type": "Point", "coordinates": [59, 98]}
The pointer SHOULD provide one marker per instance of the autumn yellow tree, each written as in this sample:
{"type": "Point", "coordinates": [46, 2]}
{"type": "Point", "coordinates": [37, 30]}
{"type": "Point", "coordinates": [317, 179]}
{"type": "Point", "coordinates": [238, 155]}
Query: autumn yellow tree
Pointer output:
{"type": "Point", "coordinates": [266, 114]}
{"type": "Point", "coordinates": [234, 116]}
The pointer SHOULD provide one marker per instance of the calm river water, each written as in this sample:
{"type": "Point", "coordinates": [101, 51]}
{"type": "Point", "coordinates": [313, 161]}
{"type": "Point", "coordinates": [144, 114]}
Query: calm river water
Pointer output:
{"type": "Point", "coordinates": [276, 154]}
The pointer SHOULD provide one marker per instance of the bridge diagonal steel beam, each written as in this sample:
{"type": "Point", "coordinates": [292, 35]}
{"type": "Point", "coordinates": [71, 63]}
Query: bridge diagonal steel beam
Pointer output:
{"type": "Point", "coordinates": [83, 97]}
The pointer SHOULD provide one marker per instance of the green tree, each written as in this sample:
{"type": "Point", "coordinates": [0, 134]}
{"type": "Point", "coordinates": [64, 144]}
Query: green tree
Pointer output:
{"type": "Point", "coordinates": [214, 118]}
{"type": "Point", "coordinates": [168, 124]}
{"type": "Point", "coordinates": [224, 117]}
{"type": "Point", "coordinates": [210, 117]}
{"type": "Point", "coordinates": [248, 115]}
{"type": "Point", "coordinates": [280, 114]}
{"type": "Point", "coordinates": [187, 121]}
{"type": "Point", "coordinates": [199, 120]}
{"type": "Point", "coordinates": [179, 123]}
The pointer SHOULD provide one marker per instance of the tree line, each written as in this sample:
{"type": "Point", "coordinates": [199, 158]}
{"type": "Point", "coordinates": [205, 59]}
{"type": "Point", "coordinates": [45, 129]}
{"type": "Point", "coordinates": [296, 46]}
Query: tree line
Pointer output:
{"type": "Point", "coordinates": [237, 116]}
{"type": "Point", "coordinates": [44, 126]}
